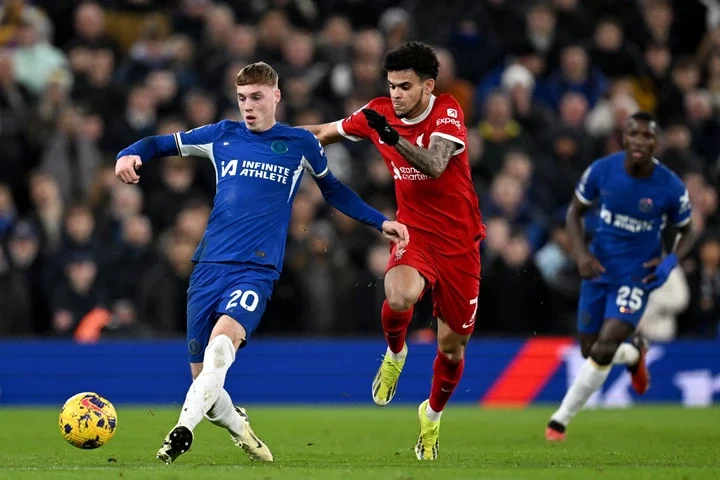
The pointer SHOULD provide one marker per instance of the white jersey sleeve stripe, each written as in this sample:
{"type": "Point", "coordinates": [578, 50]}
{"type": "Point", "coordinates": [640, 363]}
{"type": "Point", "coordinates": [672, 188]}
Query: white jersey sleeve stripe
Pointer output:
{"type": "Point", "coordinates": [582, 199]}
{"type": "Point", "coordinates": [201, 150]}
{"type": "Point", "coordinates": [307, 166]}
{"type": "Point", "coordinates": [452, 139]}
{"type": "Point", "coordinates": [341, 131]}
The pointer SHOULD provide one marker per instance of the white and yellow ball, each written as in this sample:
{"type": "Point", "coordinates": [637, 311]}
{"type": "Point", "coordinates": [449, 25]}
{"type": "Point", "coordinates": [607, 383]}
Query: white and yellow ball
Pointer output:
{"type": "Point", "coordinates": [87, 420]}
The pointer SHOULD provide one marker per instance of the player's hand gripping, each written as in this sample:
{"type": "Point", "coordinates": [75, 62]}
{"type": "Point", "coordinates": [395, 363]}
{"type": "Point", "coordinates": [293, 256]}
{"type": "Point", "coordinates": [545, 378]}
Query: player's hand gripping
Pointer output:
{"type": "Point", "coordinates": [662, 271]}
{"type": "Point", "coordinates": [397, 232]}
{"type": "Point", "coordinates": [589, 266]}
{"type": "Point", "coordinates": [126, 168]}
{"type": "Point", "coordinates": [379, 123]}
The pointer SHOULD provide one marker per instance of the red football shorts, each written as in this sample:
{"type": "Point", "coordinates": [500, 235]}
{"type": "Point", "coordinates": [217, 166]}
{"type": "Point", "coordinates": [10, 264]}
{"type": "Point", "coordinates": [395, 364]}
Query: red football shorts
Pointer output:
{"type": "Point", "coordinates": [454, 281]}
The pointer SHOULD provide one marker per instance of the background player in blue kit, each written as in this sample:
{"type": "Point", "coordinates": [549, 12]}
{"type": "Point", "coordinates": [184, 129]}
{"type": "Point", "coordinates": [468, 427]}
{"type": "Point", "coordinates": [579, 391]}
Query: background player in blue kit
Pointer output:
{"type": "Point", "coordinates": [637, 196]}
{"type": "Point", "coordinates": [259, 164]}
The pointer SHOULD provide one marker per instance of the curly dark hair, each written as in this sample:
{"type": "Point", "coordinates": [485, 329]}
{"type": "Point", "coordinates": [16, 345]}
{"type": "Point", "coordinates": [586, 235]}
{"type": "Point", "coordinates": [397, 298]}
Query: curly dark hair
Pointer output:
{"type": "Point", "coordinates": [415, 56]}
{"type": "Point", "coordinates": [644, 117]}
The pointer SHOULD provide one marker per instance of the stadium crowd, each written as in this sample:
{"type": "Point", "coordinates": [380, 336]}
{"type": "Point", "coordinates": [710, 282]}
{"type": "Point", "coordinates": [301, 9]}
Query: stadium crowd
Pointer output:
{"type": "Point", "coordinates": [545, 86]}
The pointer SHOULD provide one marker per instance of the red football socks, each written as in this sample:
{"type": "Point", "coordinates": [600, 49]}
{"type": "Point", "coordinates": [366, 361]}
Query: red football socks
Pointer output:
{"type": "Point", "coordinates": [446, 376]}
{"type": "Point", "coordinates": [395, 326]}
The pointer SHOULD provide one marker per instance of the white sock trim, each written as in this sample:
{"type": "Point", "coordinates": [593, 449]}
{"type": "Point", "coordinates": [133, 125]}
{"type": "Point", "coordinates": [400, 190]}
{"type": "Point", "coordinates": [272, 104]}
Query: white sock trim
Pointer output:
{"type": "Point", "coordinates": [431, 414]}
{"type": "Point", "coordinates": [397, 357]}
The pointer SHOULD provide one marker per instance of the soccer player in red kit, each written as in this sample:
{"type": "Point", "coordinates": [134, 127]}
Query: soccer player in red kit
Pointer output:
{"type": "Point", "coordinates": [422, 139]}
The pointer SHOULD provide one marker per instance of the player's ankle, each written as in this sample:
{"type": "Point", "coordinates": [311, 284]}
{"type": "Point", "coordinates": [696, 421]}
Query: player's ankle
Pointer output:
{"type": "Point", "coordinates": [432, 415]}
{"type": "Point", "coordinates": [399, 356]}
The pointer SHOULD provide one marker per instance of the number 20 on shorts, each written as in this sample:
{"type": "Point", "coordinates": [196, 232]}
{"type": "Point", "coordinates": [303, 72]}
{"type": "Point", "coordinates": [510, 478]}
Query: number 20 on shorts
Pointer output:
{"type": "Point", "coordinates": [248, 300]}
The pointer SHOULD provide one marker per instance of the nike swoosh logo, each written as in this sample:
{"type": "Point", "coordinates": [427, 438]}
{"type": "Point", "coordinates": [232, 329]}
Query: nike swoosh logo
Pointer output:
{"type": "Point", "coordinates": [259, 445]}
{"type": "Point", "coordinates": [446, 390]}
{"type": "Point", "coordinates": [468, 324]}
{"type": "Point", "coordinates": [85, 402]}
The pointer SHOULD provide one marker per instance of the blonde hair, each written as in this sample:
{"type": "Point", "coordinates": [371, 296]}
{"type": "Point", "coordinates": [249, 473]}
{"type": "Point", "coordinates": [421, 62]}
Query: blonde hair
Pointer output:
{"type": "Point", "coordinates": [258, 73]}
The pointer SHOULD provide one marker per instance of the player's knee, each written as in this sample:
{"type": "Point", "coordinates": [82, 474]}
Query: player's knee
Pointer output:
{"type": "Point", "coordinates": [454, 352]}
{"type": "Point", "coordinates": [229, 327]}
{"type": "Point", "coordinates": [400, 301]}
{"type": "Point", "coordinates": [602, 353]}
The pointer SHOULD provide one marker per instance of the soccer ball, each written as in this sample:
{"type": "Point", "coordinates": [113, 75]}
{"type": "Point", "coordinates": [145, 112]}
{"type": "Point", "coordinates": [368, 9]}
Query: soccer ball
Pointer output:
{"type": "Point", "coordinates": [87, 420]}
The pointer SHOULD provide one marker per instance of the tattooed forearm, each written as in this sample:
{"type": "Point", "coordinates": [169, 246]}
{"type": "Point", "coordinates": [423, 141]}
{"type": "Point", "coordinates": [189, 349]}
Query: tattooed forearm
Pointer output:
{"type": "Point", "coordinates": [431, 161]}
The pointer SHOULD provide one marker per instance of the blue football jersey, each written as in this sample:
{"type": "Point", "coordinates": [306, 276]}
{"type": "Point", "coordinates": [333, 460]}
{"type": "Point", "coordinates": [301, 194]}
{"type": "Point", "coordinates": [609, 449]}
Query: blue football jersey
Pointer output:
{"type": "Point", "coordinates": [632, 213]}
{"type": "Point", "coordinates": [258, 175]}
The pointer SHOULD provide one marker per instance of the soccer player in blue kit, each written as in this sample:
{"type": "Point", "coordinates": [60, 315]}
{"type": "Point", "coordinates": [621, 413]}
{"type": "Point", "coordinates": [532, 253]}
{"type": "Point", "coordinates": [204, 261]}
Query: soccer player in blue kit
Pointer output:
{"type": "Point", "coordinates": [636, 197]}
{"type": "Point", "coordinates": [258, 164]}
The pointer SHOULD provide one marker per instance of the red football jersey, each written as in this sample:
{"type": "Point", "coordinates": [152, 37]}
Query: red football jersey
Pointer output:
{"type": "Point", "coordinates": [442, 211]}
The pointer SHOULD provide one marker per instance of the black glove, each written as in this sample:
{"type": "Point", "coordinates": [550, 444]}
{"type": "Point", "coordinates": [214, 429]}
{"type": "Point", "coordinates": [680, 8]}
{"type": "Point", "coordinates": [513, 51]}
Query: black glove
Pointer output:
{"type": "Point", "coordinates": [378, 123]}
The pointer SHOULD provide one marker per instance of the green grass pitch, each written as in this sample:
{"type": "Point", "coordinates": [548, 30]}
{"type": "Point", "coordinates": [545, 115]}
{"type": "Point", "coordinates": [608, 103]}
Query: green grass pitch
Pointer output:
{"type": "Point", "coordinates": [319, 443]}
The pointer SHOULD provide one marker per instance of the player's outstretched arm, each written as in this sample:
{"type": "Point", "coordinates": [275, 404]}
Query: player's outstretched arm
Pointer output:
{"type": "Point", "coordinates": [326, 133]}
{"type": "Point", "coordinates": [130, 159]}
{"type": "Point", "coordinates": [348, 202]}
{"type": "Point", "coordinates": [431, 161]}
{"type": "Point", "coordinates": [588, 265]}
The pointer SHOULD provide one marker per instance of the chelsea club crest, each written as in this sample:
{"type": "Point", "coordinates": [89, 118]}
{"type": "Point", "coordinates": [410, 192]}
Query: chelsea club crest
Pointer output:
{"type": "Point", "coordinates": [645, 205]}
{"type": "Point", "coordinates": [279, 147]}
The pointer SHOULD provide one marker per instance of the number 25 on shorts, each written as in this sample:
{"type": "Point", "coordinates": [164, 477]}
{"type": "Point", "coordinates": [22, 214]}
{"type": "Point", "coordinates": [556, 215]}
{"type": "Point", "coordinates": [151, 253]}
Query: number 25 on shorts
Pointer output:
{"type": "Point", "coordinates": [630, 297]}
{"type": "Point", "coordinates": [248, 300]}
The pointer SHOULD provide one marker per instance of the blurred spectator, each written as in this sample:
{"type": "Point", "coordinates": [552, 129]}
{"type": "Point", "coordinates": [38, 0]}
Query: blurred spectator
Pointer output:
{"type": "Point", "coordinates": [48, 209]}
{"type": "Point", "coordinates": [557, 267]}
{"type": "Point", "coordinates": [7, 211]}
{"type": "Point", "coordinates": [510, 276]}
{"type": "Point", "coordinates": [132, 260]}
{"type": "Point", "coordinates": [676, 151]}
{"type": "Point", "coordinates": [519, 83]}
{"type": "Point", "coordinates": [664, 305]}
{"type": "Point", "coordinates": [123, 323]}
{"type": "Point", "coordinates": [15, 300]}
{"type": "Point", "coordinates": [508, 199]}
{"type": "Point", "coordinates": [684, 77]}
{"type": "Point", "coordinates": [448, 82]}
{"type": "Point", "coordinates": [125, 201]}
{"type": "Point", "coordinates": [90, 36]}
{"type": "Point", "coordinates": [703, 316]}
{"type": "Point", "coordinates": [36, 60]}
{"type": "Point", "coordinates": [27, 273]}
{"type": "Point", "coordinates": [500, 133]}
{"type": "Point", "coordinates": [574, 22]}
{"type": "Point", "coordinates": [541, 32]}
{"type": "Point", "coordinates": [165, 202]}
{"type": "Point", "coordinates": [162, 294]}
{"type": "Point", "coordinates": [560, 169]}
{"type": "Point", "coordinates": [611, 53]}
{"type": "Point", "coordinates": [73, 156]}
{"type": "Point", "coordinates": [137, 121]}
{"type": "Point", "coordinates": [576, 74]}
{"type": "Point", "coordinates": [15, 107]}
{"type": "Point", "coordinates": [77, 296]}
